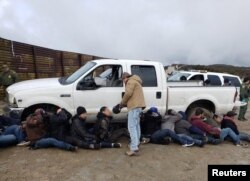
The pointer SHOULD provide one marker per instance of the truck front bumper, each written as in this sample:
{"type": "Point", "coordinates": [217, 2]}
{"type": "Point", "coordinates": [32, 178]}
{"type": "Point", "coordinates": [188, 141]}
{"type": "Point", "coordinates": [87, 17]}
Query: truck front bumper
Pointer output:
{"type": "Point", "coordinates": [8, 109]}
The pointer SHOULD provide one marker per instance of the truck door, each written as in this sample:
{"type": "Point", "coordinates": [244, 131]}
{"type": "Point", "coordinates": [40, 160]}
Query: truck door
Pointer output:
{"type": "Point", "coordinates": [101, 87]}
{"type": "Point", "coordinates": [152, 88]}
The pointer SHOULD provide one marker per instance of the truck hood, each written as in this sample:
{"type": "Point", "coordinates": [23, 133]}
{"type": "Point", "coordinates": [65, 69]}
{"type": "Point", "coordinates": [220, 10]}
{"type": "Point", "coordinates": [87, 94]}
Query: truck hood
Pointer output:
{"type": "Point", "coordinates": [33, 84]}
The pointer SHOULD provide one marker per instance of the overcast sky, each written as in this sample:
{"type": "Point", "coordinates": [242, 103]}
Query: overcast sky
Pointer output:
{"type": "Point", "coordinates": [170, 31]}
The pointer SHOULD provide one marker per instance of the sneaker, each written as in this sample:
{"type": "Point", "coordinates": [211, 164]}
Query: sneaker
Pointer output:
{"type": "Point", "coordinates": [73, 148]}
{"type": "Point", "coordinates": [145, 141]}
{"type": "Point", "coordinates": [188, 144]}
{"type": "Point", "coordinates": [244, 119]}
{"type": "Point", "coordinates": [24, 143]}
{"type": "Point", "coordinates": [94, 146]}
{"type": "Point", "coordinates": [243, 145]}
{"type": "Point", "coordinates": [132, 153]}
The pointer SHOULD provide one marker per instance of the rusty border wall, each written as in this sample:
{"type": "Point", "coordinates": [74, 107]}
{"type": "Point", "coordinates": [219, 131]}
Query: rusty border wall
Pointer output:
{"type": "Point", "coordinates": [32, 62]}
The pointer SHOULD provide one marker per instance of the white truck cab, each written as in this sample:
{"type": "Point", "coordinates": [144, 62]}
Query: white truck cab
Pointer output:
{"type": "Point", "coordinates": [98, 83]}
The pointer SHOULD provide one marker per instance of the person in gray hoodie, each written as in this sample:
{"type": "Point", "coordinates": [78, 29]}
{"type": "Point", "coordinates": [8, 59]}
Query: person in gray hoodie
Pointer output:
{"type": "Point", "coordinates": [169, 120]}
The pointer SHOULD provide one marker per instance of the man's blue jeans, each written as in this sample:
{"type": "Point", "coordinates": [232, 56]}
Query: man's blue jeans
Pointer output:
{"type": "Point", "coordinates": [7, 140]}
{"type": "Point", "coordinates": [52, 142]}
{"type": "Point", "coordinates": [134, 127]}
{"type": "Point", "coordinates": [190, 139]}
{"type": "Point", "coordinates": [228, 132]}
{"type": "Point", "coordinates": [17, 131]}
{"type": "Point", "coordinates": [244, 136]}
{"type": "Point", "coordinates": [158, 137]}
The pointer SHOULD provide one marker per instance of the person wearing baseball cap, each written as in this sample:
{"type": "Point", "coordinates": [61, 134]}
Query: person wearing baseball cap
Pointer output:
{"type": "Point", "coordinates": [229, 121]}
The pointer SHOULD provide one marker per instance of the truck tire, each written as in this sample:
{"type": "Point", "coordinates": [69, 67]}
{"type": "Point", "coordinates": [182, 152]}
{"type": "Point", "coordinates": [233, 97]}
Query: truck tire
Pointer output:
{"type": "Point", "coordinates": [191, 112]}
{"type": "Point", "coordinates": [47, 107]}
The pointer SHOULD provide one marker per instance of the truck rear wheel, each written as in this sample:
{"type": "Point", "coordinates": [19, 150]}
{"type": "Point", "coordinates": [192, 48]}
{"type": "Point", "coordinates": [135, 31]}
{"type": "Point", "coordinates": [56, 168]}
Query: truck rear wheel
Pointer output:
{"type": "Point", "coordinates": [191, 112]}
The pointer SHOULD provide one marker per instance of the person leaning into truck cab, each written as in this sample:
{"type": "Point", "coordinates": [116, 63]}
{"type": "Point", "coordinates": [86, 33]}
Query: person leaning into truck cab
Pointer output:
{"type": "Point", "coordinates": [106, 135]}
{"type": "Point", "coordinates": [244, 97]}
{"type": "Point", "coordinates": [133, 99]}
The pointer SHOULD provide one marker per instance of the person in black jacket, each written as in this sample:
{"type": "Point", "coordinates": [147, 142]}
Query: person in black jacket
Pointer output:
{"type": "Point", "coordinates": [59, 128]}
{"type": "Point", "coordinates": [105, 133]}
{"type": "Point", "coordinates": [229, 122]}
{"type": "Point", "coordinates": [151, 122]}
{"type": "Point", "coordinates": [78, 127]}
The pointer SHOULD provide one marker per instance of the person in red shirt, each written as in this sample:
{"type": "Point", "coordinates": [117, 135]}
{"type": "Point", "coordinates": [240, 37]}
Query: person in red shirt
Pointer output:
{"type": "Point", "coordinates": [198, 121]}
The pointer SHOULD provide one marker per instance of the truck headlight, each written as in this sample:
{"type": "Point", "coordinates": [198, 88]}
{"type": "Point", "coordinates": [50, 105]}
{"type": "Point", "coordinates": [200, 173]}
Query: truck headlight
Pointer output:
{"type": "Point", "coordinates": [13, 102]}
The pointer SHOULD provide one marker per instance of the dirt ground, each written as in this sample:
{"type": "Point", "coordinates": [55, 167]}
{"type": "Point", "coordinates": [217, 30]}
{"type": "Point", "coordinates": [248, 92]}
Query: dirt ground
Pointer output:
{"type": "Point", "coordinates": [156, 162]}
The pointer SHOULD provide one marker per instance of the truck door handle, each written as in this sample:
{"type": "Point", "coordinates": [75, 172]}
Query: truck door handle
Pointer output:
{"type": "Point", "coordinates": [158, 95]}
{"type": "Point", "coordinates": [123, 94]}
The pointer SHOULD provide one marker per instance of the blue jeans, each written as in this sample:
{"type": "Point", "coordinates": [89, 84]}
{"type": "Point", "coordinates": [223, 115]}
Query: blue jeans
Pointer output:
{"type": "Point", "coordinates": [52, 142]}
{"type": "Point", "coordinates": [134, 127]}
{"type": "Point", "coordinates": [228, 132]}
{"type": "Point", "coordinates": [17, 131]}
{"type": "Point", "coordinates": [244, 136]}
{"type": "Point", "coordinates": [7, 140]}
{"type": "Point", "coordinates": [158, 137]}
{"type": "Point", "coordinates": [190, 139]}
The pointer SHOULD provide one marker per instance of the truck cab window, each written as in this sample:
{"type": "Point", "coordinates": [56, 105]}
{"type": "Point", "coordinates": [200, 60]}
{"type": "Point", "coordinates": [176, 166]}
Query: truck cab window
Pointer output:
{"type": "Point", "coordinates": [197, 77]}
{"type": "Point", "coordinates": [214, 80]}
{"type": "Point", "coordinates": [146, 73]}
{"type": "Point", "coordinates": [234, 81]}
{"type": "Point", "coordinates": [102, 76]}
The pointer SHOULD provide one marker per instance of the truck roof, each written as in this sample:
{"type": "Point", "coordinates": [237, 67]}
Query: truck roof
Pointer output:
{"type": "Point", "coordinates": [143, 62]}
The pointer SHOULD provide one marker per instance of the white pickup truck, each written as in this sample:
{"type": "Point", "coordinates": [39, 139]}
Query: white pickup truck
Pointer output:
{"type": "Point", "coordinates": [98, 83]}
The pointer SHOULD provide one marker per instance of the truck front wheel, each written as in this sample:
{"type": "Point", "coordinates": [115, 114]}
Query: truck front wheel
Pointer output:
{"type": "Point", "coordinates": [49, 108]}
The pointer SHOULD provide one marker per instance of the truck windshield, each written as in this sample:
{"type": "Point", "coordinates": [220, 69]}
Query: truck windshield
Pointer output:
{"type": "Point", "coordinates": [77, 74]}
{"type": "Point", "coordinates": [177, 76]}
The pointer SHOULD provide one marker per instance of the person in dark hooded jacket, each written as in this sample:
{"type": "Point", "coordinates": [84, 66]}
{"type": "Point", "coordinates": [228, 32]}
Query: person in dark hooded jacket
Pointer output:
{"type": "Point", "coordinates": [106, 135]}
{"type": "Point", "coordinates": [78, 127]}
{"type": "Point", "coordinates": [59, 128]}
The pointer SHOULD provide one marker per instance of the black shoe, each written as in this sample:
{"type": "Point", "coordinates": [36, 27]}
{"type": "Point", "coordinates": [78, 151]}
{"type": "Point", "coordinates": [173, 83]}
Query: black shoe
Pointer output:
{"type": "Point", "coordinates": [202, 144]}
{"type": "Point", "coordinates": [117, 145]}
{"type": "Point", "coordinates": [205, 139]}
{"type": "Point", "coordinates": [216, 141]}
{"type": "Point", "coordinates": [167, 140]}
{"type": "Point", "coordinates": [73, 148]}
{"type": "Point", "coordinates": [244, 119]}
{"type": "Point", "coordinates": [33, 148]}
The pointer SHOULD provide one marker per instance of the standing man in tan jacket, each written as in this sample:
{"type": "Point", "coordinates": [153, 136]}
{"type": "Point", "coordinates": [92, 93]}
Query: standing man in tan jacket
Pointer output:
{"type": "Point", "coordinates": [133, 99]}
